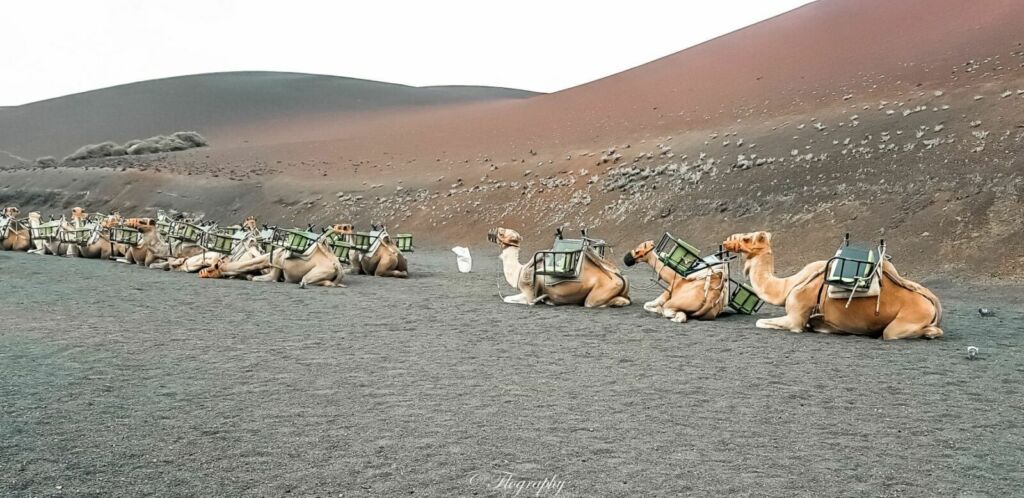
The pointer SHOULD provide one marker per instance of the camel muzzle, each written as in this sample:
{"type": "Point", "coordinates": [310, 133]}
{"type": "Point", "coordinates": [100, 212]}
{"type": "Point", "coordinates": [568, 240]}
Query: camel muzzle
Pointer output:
{"type": "Point", "coordinates": [492, 236]}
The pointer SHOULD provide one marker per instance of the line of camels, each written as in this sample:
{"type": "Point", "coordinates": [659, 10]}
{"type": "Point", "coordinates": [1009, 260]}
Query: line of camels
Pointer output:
{"type": "Point", "coordinates": [888, 305]}
{"type": "Point", "coordinates": [245, 251]}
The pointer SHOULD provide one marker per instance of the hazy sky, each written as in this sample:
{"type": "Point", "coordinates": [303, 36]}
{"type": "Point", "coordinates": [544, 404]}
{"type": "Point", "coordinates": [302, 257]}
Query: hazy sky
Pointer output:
{"type": "Point", "coordinates": [56, 47]}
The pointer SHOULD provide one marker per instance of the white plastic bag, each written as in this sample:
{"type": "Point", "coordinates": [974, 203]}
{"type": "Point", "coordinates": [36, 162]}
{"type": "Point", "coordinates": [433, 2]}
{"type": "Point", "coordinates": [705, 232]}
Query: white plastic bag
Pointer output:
{"type": "Point", "coordinates": [463, 259]}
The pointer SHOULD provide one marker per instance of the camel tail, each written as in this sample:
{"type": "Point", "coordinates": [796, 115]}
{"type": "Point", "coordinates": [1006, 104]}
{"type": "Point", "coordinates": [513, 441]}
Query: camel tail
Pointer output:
{"type": "Point", "coordinates": [912, 286]}
{"type": "Point", "coordinates": [339, 271]}
{"type": "Point", "coordinates": [608, 267]}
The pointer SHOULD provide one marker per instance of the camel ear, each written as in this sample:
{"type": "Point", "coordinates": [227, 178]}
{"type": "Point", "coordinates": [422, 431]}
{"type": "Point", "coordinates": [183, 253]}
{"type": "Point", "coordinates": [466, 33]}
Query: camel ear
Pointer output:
{"type": "Point", "coordinates": [764, 237]}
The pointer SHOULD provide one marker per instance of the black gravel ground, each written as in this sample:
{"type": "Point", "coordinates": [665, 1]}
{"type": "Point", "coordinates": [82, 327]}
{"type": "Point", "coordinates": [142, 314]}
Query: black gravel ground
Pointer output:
{"type": "Point", "coordinates": [120, 381]}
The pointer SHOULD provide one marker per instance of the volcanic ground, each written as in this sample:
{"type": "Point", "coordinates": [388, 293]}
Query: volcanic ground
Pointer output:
{"type": "Point", "coordinates": [122, 381]}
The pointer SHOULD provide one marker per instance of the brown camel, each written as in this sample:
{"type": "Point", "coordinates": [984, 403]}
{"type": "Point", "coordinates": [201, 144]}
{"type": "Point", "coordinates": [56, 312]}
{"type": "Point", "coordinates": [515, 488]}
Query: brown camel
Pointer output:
{"type": "Point", "coordinates": [702, 295]}
{"type": "Point", "coordinates": [905, 310]}
{"type": "Point", "coordinates": [14, 233]}
{"type": "Point", "coordinates": [600, 283]}
{"type": "Point", "coordinates": [153, 249]}
{"type": "Point", "coordinates": [383, 259]}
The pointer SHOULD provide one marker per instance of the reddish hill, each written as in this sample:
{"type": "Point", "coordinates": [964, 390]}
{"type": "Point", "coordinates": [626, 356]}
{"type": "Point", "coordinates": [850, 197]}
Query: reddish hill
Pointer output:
{"type": "Point", "coordinates": [796, 62]}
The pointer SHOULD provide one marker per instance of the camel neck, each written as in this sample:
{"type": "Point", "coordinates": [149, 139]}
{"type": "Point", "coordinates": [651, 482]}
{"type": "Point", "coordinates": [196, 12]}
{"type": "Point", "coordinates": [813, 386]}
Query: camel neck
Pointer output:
{"type": "Point", "coordinates": [511, 265]}
{"type": "Point", "coordinates": [761, 269]}
{"type": "Point", "coordinates": [665, 273]}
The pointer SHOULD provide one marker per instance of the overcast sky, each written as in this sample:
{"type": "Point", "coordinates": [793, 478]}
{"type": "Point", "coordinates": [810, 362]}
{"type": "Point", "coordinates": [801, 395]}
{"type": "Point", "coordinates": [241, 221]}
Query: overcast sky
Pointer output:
{"type": "Point", "coordinates": [56, 47]}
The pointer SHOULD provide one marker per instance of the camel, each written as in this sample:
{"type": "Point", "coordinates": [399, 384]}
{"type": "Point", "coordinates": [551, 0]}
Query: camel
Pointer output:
{"type": "Point", "coordinates": [247, 247]}
{"type": "Point", "coordinates": [117, 250]}
{"type": "Point", "coordinates": [14, 234]}
{"type": "Point", "coordinates": [383, 259]}
{"type": "Point", "coordinates": [183, 249]}
{"type": "Point", "coordinates": [702, 295]}
{"type": "Point", "coordinates": [99, 245]}
{"type": "Point", "coordinates": [152, 250]}
{"type": "Point", "coordinates": [600, 283]}
{"type": "Point", "coordinates": [52, 245]}
{"type": "Point", "coordinates": [317, 266]}
{"type": "Point", "coordinates": [905, 309]}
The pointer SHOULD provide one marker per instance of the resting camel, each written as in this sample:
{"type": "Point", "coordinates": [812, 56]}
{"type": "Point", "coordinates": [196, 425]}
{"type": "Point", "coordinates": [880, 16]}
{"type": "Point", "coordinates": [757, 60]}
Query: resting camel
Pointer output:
{"type": "Point", "coordinates": [384, 259]}
{"type": "Point", "coordinates": [152, 249]}
{"type": "Point", "coordinates": [181, 249]}
{"type": "Point", "coordinates": [906, 310]}
{"type": "Point", "coordinates": [702, 295]}
{"type": "Point", "coordinates": [99, 245]}
{"type": "Point", "coordinates": [317, 266]}
{"type": "Point", "coordinates": [245, 249]}
{"type": "Point", "coordinates": [52, 246]}
{"type": "Point", "coordinates": [600, 283]}
{"type": "Point", "coordinates": [15, 236]}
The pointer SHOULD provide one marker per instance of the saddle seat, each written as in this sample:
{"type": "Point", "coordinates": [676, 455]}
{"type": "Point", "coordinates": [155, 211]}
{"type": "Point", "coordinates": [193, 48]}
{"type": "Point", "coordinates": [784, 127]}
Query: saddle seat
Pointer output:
{"type": "Point", "coordinates": [852, 273]}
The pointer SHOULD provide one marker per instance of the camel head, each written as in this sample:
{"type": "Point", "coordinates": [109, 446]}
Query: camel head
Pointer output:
{"type": "Point", "coordinates": [342, 229]}
{"type": "Point", "coordinates": [11, 212]}
{"type": "Point", "coordinates": [212, 271]}
{"type": "Point", "coordinates": [749, 244]}
{"type": "Point", "coordinates": [141, 224]}
{"type": "Point", "coordinates": [638, 253]}
{"type": "Point", "coordinates": [249, 223]}
{"type": "Point", "coordinates": [111, 221]}
{"type": "Point", "coordinates": [504, 237]}
{"type": "Point", "coordinates": [78, 214]}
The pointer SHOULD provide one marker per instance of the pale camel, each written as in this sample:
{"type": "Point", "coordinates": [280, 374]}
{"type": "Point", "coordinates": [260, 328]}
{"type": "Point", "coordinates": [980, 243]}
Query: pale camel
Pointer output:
{"type": "Point", "coordinates": [702, 295]}
{"type": "Point", "coordinates": [14, 233]}
{"type": "Point", "coordinates": [905, 309]}
{"type": "Point", "coordinates": [600, 283]}
{"type": "Point", "coordinates": [317, 266]}
{"type": "Point", "coordinates": [184, 249]}
{"type": "Point", "coordinates": [248, 247]}
{"type": "Point", "coordinates": [383, 259]}
{"type": "Point", "coordinates": [54, 245]}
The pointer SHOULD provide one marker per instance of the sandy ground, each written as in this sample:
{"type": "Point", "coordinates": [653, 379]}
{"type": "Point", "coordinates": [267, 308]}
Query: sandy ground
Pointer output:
{"type": "Point", "coordinates": [120, 381]}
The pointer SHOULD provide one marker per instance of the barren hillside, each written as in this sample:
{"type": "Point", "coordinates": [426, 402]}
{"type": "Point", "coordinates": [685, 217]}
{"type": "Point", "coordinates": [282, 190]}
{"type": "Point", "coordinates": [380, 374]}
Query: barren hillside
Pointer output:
{"type": "Point", "coordinates": [896, 119]}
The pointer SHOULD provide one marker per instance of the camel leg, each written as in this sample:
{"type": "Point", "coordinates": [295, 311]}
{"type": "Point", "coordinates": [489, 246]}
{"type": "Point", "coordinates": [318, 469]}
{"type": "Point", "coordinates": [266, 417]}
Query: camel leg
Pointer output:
{"type": "Point", "coordinates": [382, 272]}
{"type": "Point", "coordinates": [677, 316]}
{"type": "Point", "coordinates": [799, 305]}
{"type": "Point", "coordinates": [655, 305]}
{"type": "Point", "coordinates": [318, 276]}
{"type": "Point", "coordinates": [600, 300]}
{"type": "Point", "coordinates": [606, 295]}
{"type": "Point", "coordinates": [618, 302]}
{"type": "Point", "coordinates": [517, 299]}
{"type": "Point", "coordinates": [271, 276]}
{"type": "Point", "coordinates": [912, 324]}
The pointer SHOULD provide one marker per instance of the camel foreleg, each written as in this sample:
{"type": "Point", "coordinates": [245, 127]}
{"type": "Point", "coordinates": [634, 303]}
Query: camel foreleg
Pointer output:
{"type": "Point", "coordinates": [521, 298]}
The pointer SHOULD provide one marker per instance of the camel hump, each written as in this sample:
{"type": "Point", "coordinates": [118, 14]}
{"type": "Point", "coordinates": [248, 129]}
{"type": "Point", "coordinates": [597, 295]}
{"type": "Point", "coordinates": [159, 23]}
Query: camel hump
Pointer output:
{"type": "Point", "coordinates": [601, 262]}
